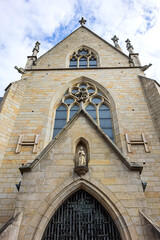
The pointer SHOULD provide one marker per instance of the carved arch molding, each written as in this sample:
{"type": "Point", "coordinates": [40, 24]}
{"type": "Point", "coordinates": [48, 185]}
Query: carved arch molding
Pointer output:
{"type": "Point", "coordinates": [81, 217]}
{"type": "Point", "coordinates": [56, 199]}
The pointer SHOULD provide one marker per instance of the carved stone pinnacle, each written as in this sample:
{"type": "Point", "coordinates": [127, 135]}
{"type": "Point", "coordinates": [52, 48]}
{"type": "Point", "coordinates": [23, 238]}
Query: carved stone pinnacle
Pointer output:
{"type": "Point", "coordinates": [36, 49]}
{"type": "Point", "coordinates": [129, 46]}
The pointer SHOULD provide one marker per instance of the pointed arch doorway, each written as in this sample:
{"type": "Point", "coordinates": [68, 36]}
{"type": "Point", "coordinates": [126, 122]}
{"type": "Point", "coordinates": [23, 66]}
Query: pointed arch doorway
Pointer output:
{"type": "Point", "coordinates": [81, 217]}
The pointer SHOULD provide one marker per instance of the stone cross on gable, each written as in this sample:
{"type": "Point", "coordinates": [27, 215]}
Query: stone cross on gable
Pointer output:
{"type": "Point", "coordinates": [82, 21]}
{"type": "Point", "coordinates": [115, 39]}
{"type": "Point", "coordinates": [129, 46]}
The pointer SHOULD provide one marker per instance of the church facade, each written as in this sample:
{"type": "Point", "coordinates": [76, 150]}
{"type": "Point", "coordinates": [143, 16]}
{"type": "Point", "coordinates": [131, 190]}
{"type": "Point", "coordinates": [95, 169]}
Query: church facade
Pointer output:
{"type": "Point", "coordinates": [80, 145]}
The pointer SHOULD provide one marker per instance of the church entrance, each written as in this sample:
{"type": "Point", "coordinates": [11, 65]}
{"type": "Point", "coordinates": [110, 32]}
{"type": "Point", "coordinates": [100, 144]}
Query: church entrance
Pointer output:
{"type": "Point", "coordinates": [81, 217]}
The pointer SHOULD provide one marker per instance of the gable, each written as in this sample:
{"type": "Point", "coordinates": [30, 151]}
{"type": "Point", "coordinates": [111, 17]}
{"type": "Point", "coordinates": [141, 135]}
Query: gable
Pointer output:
{"type": "Point", "coordinates": [64, 144]}
{"type": "Point", "coordinates": [58, 56]}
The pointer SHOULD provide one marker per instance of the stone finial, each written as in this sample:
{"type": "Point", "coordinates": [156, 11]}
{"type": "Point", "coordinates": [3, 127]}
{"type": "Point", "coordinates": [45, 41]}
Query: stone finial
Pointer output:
{"type": "Point", "coordinates": [115, 40]}
{"type": "Point", "coordinates": [129, 46]}
{"type": "Point", "coordinates": [82, 21]}
{"type": "Point", "coordinates": [36, 49]}
{"type": "Point", "coordinates": [20, 70]}
{"type": "Point", "coordinates": [145, 67]}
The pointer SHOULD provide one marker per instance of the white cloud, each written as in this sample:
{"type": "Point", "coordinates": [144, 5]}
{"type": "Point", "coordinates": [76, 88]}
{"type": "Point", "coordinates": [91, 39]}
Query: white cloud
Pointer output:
{"type": "Point", "coordinates": [22, 23]}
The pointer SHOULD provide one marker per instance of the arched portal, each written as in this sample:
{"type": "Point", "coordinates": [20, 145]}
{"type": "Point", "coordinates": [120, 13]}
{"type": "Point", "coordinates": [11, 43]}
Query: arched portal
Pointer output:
{"type": "Point", "coordinates": [81, 217]}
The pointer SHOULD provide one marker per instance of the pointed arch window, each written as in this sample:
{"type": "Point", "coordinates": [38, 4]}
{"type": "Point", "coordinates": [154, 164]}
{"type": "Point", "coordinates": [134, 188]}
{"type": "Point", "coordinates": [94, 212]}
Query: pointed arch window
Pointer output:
{"type": "Point", "coordinates": [105, 120]}
{"type": "Point", "coordinates": [93, 62]}
{"type": "Point", "coordinates": [60, 119]}
{"type": "Point", "coordinates": [83, 58]}
{"type": "Point", "coordinates": [92, 111]}
{"type": "Point", "coordinates": [73, 111]}
{"type": "Point", "coordinates": [83, 62]}
{"type": "Point", "coordinates": [73, 62]}
{"type": "Point", "coordinates": [95, 103]}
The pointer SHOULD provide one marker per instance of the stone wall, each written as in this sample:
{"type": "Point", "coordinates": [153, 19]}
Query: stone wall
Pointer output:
{"type": "Point", "coordinates": [152, 93]}
{"type": "Point", "coordinates": [106, 171]}
{"type": "Point", "coordinates": [58, 57]}
{"type": "Point", "coordinates": [32, 103]}
{"type": "Point", "coordinates": [8, 112]}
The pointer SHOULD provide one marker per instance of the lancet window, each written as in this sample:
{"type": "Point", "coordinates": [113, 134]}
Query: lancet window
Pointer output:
{"type": "Point", "coordinates": [94, 102]}
{"type": "Point", "coordinates": [83, 58]}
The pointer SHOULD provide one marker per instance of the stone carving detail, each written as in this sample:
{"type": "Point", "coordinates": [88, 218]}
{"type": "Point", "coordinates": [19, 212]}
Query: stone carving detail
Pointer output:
{"type": "Point", "coordinates": [145, 67]}
{"type": "Point", "coordinates": [131, 61]}
{"type": "Point", "coordinates": [81, 161]}
{"type": "Point", "coordinates": [81, 157]}
{"type": "Point", "coordinates": [116, 44]}
{"type": "Point", "coordinates": [82, 21]}
{"type": "Point", "coordinates": [82, 95]}
{"type": "Point", "coordinates": [83, 92]}
{"type": "Point", "coordinates": [129, 46]}
{"type": "Point", "coordinates": [22, 142]}
{"type": "Point", "coordinates": [20, 70]}
{"type": "Point", "coordinates": [32, 59]}
{"type": "Point", "coordinates": [36, 49]}
{"type": "Point", "coordinates": [136, 142]}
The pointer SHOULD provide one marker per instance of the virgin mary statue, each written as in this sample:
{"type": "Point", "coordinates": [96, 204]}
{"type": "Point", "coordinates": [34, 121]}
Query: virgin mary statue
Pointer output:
{"type": "Point", "coordinates": [81, 157]}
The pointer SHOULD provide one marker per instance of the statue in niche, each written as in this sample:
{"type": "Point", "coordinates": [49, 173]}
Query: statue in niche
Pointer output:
{"type": "Point", "coordinates": [81, 157]}
{"type": "Point", "coordinates": [81, 162]}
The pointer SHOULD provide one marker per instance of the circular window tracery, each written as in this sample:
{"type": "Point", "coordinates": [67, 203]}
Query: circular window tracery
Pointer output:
{"type": "Point", "coordinates": [95, 103]}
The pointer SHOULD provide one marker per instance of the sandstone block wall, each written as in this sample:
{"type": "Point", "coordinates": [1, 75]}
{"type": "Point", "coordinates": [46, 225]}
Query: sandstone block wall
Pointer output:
{"type": "Point", "coordinates": [31, 105]}
{"type": "Point", "coordinates": [105, 168]}
{"type": "Point", "coordinates": [152, 94]}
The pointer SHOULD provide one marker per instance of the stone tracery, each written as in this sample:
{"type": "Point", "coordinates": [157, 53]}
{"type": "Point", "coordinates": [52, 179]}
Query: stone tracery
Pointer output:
{"type": "Point", "coordinates": [83, 58]}
{"type": "Point", "coordinates": [88, 96]}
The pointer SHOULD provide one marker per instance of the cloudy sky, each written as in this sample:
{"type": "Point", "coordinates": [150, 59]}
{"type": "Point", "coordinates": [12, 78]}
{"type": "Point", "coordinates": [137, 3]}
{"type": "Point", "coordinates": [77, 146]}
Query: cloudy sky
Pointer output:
{"type": "Point", "coordinates": [23, 22]}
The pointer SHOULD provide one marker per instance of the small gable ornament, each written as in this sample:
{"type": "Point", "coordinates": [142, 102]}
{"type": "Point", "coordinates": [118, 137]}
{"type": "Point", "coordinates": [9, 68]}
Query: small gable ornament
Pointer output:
{"type": "Point", "coordinates": [82, 21]}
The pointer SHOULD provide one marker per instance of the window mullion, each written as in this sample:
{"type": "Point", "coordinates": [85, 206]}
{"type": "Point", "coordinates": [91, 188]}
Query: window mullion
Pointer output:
{"type": "Point", "coordinates": [97, 114]}
{"type": "Point", "coordinates": [87, 61]}
{"type": "Point", "coordinates": [77, 62]}
{"type": "Point", "coordinates": [68, 114]}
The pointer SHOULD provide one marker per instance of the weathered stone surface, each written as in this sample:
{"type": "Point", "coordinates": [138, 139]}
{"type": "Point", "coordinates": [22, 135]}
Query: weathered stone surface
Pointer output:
{"type": "Point", "coordinates": [29, 108]}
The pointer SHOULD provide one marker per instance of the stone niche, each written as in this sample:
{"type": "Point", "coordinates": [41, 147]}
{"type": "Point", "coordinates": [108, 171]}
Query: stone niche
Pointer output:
{"type": "Point", "coordinates": [81, 157]}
